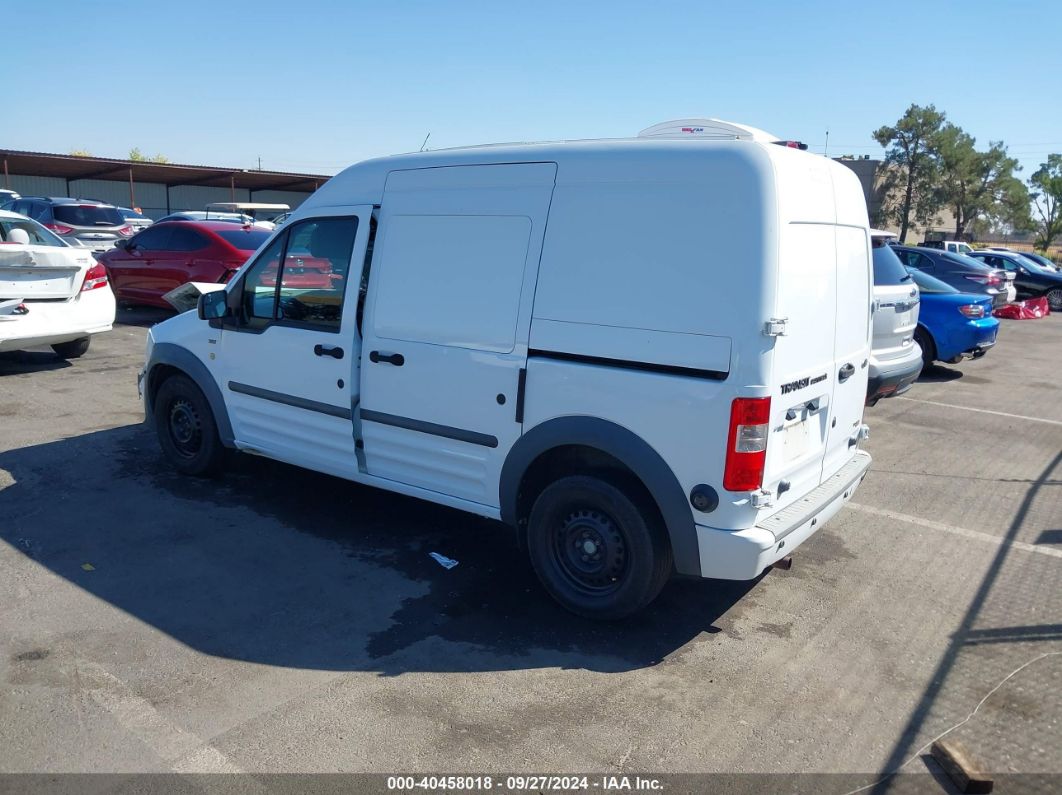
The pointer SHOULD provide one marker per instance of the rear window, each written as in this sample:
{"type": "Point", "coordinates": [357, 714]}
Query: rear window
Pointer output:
{"type": "Point", "coordinates": [87, 215]}
{"type": "Point", "coordinates": [930, 284]}
{"type": "Point", "coordinates": [245, 239]}
{"type": "Point", "coordinates": [38, 235]}
{"type": "Point", "coordinates": [888, 270]}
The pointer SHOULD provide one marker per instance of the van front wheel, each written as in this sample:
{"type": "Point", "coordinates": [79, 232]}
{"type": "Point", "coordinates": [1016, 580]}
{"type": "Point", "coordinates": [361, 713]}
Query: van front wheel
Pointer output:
{"type": "Point", "coordinates": [186, 429]}
{"type": "Point", "coordinates": [595, 549]}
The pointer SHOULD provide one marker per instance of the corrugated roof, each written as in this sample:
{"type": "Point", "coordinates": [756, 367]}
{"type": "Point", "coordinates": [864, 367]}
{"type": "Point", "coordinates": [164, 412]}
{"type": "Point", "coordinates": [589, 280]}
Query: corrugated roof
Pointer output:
{"type": "Point", "coordinates": [46, 164]}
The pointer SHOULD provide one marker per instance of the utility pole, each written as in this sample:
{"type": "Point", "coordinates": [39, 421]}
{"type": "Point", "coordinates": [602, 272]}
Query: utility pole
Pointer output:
{"type": "Point", "coordinates": [260, 160]}
{"type": "Point", "coordinates": [826, 150]}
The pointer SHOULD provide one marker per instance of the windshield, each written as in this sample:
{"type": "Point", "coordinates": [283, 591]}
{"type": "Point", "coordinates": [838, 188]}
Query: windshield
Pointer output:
{"type": "Point", "coordinates": [1031, 264]}
{"type": "Point", "coordinates": [245, 239]}
{"type": "Point", "coordinates": [929, 284]}
{"type": "Point", "coordinates": [87, 215]}
{"type": "Point", "coordinates": [888, 270]}
{"type": "Point", "coordinates": [38, 235]}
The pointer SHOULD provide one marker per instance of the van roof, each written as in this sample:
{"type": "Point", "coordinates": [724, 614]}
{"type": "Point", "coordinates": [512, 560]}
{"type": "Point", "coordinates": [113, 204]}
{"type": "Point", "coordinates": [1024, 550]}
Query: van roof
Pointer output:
{"type": "Point", "coordinates": [363, 183]}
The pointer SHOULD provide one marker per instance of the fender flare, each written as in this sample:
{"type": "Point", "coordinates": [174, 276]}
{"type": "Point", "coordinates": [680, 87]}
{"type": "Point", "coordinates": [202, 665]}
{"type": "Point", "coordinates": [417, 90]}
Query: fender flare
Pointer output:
{"type": "Point", "coordinates": [188, 363]}
{"type": "Point", "coordinates": [628, 448]}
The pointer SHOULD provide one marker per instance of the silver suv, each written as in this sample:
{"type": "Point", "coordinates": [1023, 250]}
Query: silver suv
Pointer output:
{"type": "Point", "coordinates": [895, 358]}
{"type": "Point", "coordinates": [80, 222]}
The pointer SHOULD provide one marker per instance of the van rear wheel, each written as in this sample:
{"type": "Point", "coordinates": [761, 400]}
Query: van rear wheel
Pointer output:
{"type": "Point", "coordinates": [599, 552]}
{"type": "Point", "coordinates": [186, 429]}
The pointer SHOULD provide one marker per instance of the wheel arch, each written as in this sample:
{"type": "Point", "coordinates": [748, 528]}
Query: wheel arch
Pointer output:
{"type": "Point", "coordinates": [169, 359]}
{"type": "Point", "coordinates": [613, 442]}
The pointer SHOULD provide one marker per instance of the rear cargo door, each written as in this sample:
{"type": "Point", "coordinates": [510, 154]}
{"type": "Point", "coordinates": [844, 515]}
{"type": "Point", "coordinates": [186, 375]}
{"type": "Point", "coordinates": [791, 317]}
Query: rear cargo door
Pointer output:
{"type": "Point", "coordinates": [803, 372]}
{"type": "Point", "coordinates": [851, 345]}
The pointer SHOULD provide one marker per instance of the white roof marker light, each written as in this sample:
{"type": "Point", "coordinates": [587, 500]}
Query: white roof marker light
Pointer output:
{"type": "Point", "coordinates": [715, 129]}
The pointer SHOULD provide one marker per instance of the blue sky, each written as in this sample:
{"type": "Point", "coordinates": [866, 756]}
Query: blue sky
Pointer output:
{"type": "Point", "coordinates": [314, 86]}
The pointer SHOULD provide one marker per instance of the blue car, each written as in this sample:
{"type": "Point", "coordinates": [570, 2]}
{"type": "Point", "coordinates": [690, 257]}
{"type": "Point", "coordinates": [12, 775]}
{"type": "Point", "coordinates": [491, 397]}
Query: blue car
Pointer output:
{"type": "Point", "coordinates": [952, 325]}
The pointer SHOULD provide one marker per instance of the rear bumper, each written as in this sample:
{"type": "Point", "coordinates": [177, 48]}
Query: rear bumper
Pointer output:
{"type": "Point", "coordinates": [53, 322]}
{"type": "Point", "coordinates": [745, 554]}
{"type": "Point", "coordinates": [969, 338]}
{"type": "Point", "coordinates": [888, 379]}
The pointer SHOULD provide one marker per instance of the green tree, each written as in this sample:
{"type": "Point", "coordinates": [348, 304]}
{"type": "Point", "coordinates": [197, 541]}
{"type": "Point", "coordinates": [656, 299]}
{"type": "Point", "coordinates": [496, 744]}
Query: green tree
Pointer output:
{"type": "Point", "coordinates": [80, 153]}
{"type": "Point", "coordinates": [1046, 185]}
{"type": "Point", "coordinates": [138, 156]}
{"type": "Point", "coordinates": [912, 166]}
{"type": "Point", "coordinates": [978, 185]}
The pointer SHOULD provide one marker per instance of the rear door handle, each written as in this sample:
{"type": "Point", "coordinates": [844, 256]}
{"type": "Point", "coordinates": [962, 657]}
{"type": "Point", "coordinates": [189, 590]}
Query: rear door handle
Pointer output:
{"type": "Point", "coordinates": [846, 372]}
{"type": "Point", "coordinates": [328, 350]}
{"type": "Point", "coordinates": [396, 359]}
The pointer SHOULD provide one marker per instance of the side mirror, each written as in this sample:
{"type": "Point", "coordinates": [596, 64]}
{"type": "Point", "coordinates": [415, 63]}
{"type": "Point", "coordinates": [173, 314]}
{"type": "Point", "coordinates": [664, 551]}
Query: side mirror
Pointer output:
{"type": "Point", "coordinates": [212, 305]}
{"type": "Point", "coordinates": [122, 244]}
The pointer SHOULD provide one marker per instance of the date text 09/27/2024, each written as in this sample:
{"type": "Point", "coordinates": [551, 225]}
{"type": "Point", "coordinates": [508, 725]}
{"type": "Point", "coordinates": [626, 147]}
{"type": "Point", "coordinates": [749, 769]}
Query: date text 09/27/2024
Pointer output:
{"type": "Point", "coordinates": [521, 783]}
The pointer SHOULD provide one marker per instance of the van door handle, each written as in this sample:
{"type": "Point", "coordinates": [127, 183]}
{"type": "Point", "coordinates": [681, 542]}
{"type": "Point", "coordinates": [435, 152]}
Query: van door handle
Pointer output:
{"type": "Point", "coordinates": [846, 372]}
{"type": "Point", "coordinates": [328, 350]}
{"type": "Point", "coordinates": [396, 359]}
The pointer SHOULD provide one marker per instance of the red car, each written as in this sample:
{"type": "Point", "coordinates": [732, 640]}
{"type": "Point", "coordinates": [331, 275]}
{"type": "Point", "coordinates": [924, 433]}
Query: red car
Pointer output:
{"type": "Point", "coordinates": [168, 254]}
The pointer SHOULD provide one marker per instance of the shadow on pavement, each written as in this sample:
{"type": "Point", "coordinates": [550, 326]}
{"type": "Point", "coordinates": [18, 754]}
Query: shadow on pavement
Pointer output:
{"type": "Point", "coordinates": [281, 566]}
{"type": "Point", "coordinates": [937, 373]}
{"type": "Point", "coordinates": [144, 316]}
{"type": "Point", "coordinates": [18, 362]}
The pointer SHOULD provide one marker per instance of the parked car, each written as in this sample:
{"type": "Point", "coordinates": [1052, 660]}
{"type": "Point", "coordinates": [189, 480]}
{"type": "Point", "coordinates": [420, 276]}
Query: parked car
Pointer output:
{"type": "Point", "coordinates": [1047, 264]}
{"type": "Point", "coordinates": [50, 293]}
{"type": "Point", "coordinates": [626, 425]}
{"type": "Point", "coordinates": [951, 246]}
{"type": "Point", "coordinates": [961, 272]}
{"type": "Point", "coordinates": [93, 224]}
{"type": "Point", "coordinates": [135, 218]}
{"type": "Point", "coordinates": [7, 196]}
{"type": "Point", "coordinates": [895, 358]}
{"type": "Point", "coordinates": [170, 253]}
{"type": "Point", "coordinates": [952, 325]}
{"type": "Point", "coordinates": [1031, 280]}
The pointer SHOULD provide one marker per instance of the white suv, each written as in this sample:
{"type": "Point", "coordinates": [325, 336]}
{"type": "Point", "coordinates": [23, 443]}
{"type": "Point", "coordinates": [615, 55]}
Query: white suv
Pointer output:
{"type": "Point", "coordinates": [535, 334]}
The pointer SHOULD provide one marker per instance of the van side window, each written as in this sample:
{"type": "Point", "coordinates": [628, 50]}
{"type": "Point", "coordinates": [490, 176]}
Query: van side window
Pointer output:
{"type": "Point", "coordinates": [300, 278]}
{"type": "Point", "coordinates": [452, 280]}
{"type": "Point", "coordinates": [260, 285]}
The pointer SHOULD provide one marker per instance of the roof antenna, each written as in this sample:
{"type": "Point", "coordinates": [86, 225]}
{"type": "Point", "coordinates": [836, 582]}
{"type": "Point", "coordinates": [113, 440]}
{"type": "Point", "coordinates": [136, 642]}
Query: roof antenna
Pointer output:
{"type": "Point", "coordinates": [826, 149]}
{"type": "Point", "coordinates": [426, 137]}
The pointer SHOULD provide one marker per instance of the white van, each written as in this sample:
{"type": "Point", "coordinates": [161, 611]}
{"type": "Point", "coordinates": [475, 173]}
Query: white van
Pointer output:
{"type": "Point", "coordinates": [647, 356]}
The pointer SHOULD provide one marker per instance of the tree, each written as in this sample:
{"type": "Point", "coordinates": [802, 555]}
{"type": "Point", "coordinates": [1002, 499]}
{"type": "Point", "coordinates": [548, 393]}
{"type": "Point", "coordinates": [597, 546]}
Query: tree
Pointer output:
{"type": "Point", "coordinates": [80, 153]}
{"type": "Point", "coordinates": [138, 156]}
{"type": "Point", "coordinates": [1046, 185]}
{"type": "Point", "coordinates": [911, 158]}
{"type": "Point", "coordinates": [978, 185]}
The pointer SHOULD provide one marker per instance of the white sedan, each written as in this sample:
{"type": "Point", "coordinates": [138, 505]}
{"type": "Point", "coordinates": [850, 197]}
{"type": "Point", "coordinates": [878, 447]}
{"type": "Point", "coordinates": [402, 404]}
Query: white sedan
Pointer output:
{"type": "Point", "coordinates": [50, 293]}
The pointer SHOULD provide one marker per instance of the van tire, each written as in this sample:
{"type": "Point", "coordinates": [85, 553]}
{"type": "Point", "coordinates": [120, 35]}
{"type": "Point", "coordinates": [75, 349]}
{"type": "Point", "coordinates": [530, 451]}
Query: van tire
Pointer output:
{"type": "Point", "coordinates": [187, 432]}
{"type": "Point", "coordinates": [929, 350]}
{"type": "Point", "coordinates": [73, 349]}
{"type": "Point", "coordinates": [598, 549]}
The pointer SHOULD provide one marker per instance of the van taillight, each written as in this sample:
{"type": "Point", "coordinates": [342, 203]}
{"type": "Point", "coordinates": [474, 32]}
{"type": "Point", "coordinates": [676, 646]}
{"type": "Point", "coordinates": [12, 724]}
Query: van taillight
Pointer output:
{"type": "Point", "coordinates": [746, 447]}
{"type": "Point", "coordinates": [96, 276]}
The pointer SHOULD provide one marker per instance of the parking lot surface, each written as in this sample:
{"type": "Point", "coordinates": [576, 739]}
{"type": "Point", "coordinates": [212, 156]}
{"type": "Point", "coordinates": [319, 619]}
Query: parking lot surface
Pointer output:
{"type": "Point", "coordinates": [278, 620]}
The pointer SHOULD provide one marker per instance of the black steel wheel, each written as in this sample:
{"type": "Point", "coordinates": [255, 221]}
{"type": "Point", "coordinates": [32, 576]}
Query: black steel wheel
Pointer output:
{"type": "Point", "coordinates": [599, 549]}
{"type": "Point", "coordinates": [184, 424]}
